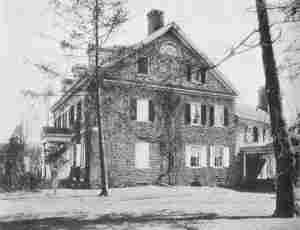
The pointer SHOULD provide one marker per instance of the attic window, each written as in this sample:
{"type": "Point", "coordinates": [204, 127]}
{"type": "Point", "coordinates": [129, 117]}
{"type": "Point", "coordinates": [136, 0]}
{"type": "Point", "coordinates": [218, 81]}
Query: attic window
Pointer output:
{"type": "Point", "coordinates": [203, 73]}
{"type": "Point", "coordinates": [142, 65]}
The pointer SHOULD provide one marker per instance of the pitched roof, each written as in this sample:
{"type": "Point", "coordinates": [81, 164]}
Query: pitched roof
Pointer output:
{"type": "Point", "coordinates": [158, 33]}
{"type": "Point", "coordinates": [251, 113]}
{"type": "Point", "coordinates": [189, 43]}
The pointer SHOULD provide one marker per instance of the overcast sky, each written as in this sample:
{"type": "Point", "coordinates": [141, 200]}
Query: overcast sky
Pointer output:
{"type": "Point", "coordinates": [213, 25]}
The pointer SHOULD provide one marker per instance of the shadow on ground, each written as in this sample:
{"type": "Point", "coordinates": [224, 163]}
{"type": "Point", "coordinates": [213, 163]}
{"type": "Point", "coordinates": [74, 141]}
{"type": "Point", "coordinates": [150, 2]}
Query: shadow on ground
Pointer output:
{"type": "Point", "coordinates": [66, 223]}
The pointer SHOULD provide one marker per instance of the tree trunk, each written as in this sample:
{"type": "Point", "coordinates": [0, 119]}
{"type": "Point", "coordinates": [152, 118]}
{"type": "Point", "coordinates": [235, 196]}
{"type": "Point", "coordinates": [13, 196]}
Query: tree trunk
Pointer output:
{"type": "Point", "coordinates": [104, 183]}
{"type": "Point", "coordinates": [285, 199]}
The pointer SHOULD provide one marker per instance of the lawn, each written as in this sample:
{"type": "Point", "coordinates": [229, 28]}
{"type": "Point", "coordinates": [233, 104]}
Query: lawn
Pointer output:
{"type": "Point", "coordinates": [148, 207]}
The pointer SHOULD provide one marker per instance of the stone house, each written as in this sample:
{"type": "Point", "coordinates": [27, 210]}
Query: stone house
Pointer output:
{"type": "Point", "coordinates": [164, 113]}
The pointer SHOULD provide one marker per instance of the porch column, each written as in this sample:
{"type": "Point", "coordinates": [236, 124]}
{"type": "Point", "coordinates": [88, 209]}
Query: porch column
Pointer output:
{"type": "Point", "coordinates": [244, 165]}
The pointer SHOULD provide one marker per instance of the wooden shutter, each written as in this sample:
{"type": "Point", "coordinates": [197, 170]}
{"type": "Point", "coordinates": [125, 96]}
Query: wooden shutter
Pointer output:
{"type": "Point", "coordinates": [203, 114]}
{"type": "Point", "coordinates": [151, 111]}
{"type": "Point", "coordinates": [187, 113]}
{"type": "Point", "coordinates": [142, 155]}
{"type": "Point", "coordinates": [212, 150]}
{"type": "Point", "coordinates": [71, 115]}
{"type": "Point", "coordinates": [226, 157]}
{"type": "Point", "coordinates": [226, 116]}
{"type": "Point", "coordinates": [203, 76]}
{"type": "Point", "coordinates": [203, 156]}
{"type": "Point", "coordinates": [78, 115]}
{"type": "Point", "coordinates": [211, 116]}
{"type": "Point", "coordinates": [187, 155]}
{"type": "Point", "coordinates": [188, 72]}
{"type": "Point", "coordinates": [133, 105]}
{"type": "Point", "coordinates": [142, 110]}
{"type": "Point", "coordinates": [78, 155]}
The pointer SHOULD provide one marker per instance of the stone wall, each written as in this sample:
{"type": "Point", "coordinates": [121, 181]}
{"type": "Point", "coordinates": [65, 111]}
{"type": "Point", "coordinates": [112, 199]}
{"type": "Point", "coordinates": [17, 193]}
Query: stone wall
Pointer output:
{"type": "Point", "coordinates": [120, 135]}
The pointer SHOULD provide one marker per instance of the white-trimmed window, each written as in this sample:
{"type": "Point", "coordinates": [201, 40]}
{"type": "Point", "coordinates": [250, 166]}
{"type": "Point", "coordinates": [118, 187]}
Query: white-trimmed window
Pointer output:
{"type": "Point", "coordinates": [219, 156]}
{"type": "Point", "coordinates": [195, 114]}
{"type": "Point", "coordinates": [219, 115]}
{"type": "Point", "coordinates": [196, 156]}
{"type": "Point", "coordinates": [142, 155]}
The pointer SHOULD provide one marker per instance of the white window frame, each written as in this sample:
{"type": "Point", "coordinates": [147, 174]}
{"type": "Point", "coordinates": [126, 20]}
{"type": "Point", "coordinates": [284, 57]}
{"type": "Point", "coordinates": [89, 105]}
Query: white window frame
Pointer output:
{"type": "Point", "coordinates": [142, 110]}
{"type": "Point", "coordinates": [225, 156]}
{"type": "Point", "coordinates": [219, 115]}
{"type": "Point", "coordinates": [201, 151]}
{"type": "Point", "coordinates": [193, 107]}
{"type": "Point", "coordinates": [139, 149]}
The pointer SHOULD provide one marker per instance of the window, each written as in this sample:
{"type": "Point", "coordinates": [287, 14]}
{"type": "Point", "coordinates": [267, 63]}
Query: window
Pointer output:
{"type": "Point", "coordinates": [196, 156]}
{"type": "Point", "coordinates": [219, 115]}
{"type": "Point", "coordinates": [255, 134]}
{"type": "Point", "coordinates": [143, 65]}
{"type": "Point", "coordinates": [142, 155]}
{"type": "Point", "coordinates": [195, 114]}
{"type": "Point", "coordinates": [142, 110]}
{"type": "Point", "coordinates": [219, 156]}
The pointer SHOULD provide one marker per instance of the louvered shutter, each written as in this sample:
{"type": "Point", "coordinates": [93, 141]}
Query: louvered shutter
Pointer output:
{"type": "Point", "coordinates": [188, 72]}
{"type": "Point", "coordinates": [211, 116]}
{"type": "Point", "coordinates": [78, 154]}
{"type": "Point", "coordinates": [226, 116]}
{"type": "Point", "coordinates": [187, 114]}
{"type": "Point", "coordinates": [151, 111]}
{"type": "Point", "coordinates": [212, 150]}
{"type": "Point", "coordinates": [203, 114]}
{"type": "Point", "coordinates": [226, 157]}
{"type": "Point", "coordinates": [203, 155]}
{"type": "Point", "coordinates": [142, 110]}
{"type": "Point", "coordinates": [187, 155]}
{"type": "Point", "coordinates": [133, 105]}
{"type": "Point", "coordinates": [142, 155]}
{"type": "Point", "coordinates": [203, 75]}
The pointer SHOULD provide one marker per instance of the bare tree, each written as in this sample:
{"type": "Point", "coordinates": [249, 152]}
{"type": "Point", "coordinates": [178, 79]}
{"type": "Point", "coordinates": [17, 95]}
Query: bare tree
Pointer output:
{"type": "Point", "coordinates": [85, 24]}
{"type": "Point", "coordinates": [285, 157]}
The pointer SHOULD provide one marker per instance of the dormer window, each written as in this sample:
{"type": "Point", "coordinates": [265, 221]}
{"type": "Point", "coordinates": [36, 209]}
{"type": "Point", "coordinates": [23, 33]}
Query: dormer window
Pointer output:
{"type": "Point", "coordinates": [142, 65]}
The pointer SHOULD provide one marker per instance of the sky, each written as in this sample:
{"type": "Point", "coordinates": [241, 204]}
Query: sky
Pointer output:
{"type": "Point", "coordinates": [213, 25]}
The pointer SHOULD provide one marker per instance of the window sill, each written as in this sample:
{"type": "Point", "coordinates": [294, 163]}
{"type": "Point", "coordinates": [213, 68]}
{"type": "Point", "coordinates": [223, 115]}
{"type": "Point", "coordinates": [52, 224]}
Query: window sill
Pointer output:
{"type": "Point", "coordinates": [143, 74]}
{"type": "Point", "coordinates": [196, 167]}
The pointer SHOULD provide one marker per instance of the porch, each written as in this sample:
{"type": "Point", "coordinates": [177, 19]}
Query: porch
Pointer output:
{"type": "Point", "coordinates": [259, 165]}
{"type": "Point", "coordinates": [63, 148]}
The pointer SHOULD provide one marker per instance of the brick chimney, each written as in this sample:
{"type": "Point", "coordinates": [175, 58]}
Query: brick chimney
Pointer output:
{"type": "Point", "coordinates": [155, 20]}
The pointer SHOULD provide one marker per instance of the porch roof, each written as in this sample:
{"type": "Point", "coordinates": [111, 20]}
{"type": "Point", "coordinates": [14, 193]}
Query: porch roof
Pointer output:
{"type": "Point", "coordinates": [263, 149]}
{"type": "Point", "coordinates": [53, 134]}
